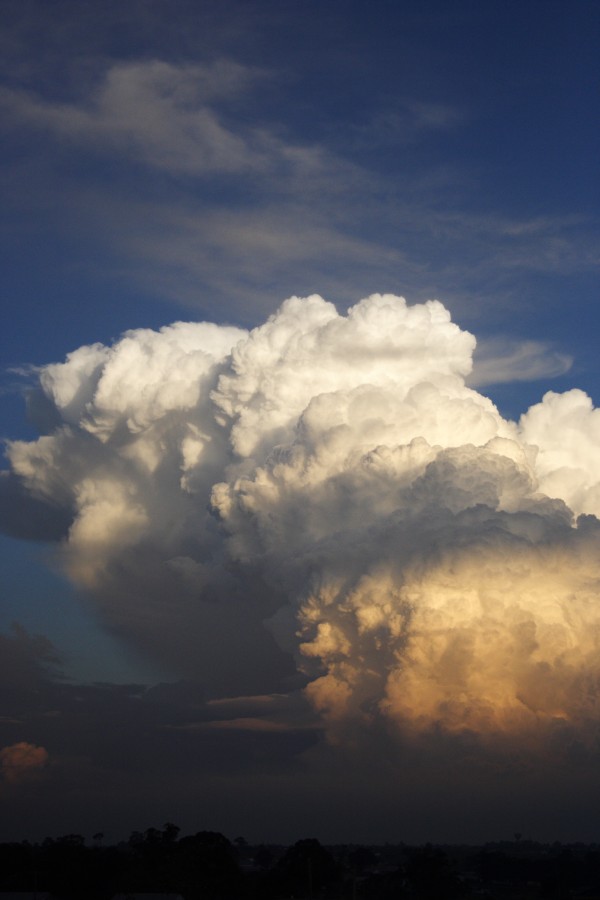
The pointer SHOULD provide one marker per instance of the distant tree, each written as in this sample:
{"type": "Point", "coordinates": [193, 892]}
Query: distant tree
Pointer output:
{"type": "Point", "coordinates": [17, 866]}
{"type": "Point", "coordinates": [263, 857]}
{"type": "Point", "coordinates": [71, 840]}
{"type": "Point", "coordinates": [66, 868]}
{"type": "Point", "coordinates": [170, 832]}
{"type": "Point", "coordinates": [362, 858]}
{"type": "Point", "coordinates": [559, 876]}
{"type": "Point", "coordinates": [306, 869]}
{"type": "Point", "coordinates": [430, 876]}
{"type": "Point", "coordinates": [383, 886]}
{"type": "Point", "coordinates": [151, 863]}
{"type": "Point", "coordinates": [207, 867]}
{"type": "Point", "coordinates": [152, 836]}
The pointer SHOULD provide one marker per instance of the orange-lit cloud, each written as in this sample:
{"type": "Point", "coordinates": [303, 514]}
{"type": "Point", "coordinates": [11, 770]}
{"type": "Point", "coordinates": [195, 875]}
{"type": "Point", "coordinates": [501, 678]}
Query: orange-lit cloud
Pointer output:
{"type": "Point", "coordinates": [499, 637]}
{"type": "Point", "coordinates": [21, 761]}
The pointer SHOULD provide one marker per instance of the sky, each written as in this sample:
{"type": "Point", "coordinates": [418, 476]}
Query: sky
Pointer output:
{"type": "Point", "coordinates": [300, 492]}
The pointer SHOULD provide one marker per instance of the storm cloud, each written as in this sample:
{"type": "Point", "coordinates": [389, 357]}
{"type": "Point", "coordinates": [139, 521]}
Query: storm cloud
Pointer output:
{"type": "Point", "coordinates": [324, 503]}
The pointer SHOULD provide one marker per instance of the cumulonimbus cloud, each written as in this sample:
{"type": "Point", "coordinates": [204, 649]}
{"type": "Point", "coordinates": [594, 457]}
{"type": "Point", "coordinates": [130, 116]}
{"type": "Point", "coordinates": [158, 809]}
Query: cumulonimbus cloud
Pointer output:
{"type": "Point", "coordinates": [332, 482]}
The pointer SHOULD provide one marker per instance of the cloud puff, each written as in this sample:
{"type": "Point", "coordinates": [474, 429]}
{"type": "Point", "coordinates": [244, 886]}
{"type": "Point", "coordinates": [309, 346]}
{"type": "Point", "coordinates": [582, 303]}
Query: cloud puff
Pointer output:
{"type": "Point", "coordinates": [20, 761]}
{"type": "Point", "coordinates": [566, 429]}
{"type": "Point", "coordinates": [327, 488]}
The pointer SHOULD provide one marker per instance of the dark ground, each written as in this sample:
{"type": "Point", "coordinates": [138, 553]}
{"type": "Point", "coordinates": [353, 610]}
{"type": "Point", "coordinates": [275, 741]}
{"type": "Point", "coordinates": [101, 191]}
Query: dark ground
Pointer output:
{"type": "Point", "coordinates": [208, 866]}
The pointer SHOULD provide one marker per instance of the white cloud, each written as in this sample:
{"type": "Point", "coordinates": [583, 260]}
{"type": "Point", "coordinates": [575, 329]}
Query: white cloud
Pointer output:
{"type": "Point", "coordinates": [333, 474]}
{"type": "Point", "coordinates": [566, 429]}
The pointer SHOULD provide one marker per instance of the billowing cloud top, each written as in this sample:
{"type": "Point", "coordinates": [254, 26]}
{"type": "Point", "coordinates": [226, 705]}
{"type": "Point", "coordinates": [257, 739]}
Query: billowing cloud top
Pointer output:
{"type": "Point", "coordinates": [328, 487]}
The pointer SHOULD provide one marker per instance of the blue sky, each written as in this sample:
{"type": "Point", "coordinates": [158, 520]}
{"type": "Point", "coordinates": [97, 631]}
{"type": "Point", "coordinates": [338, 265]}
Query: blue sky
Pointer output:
{"type": "Point", "coordinates": [429, 151]}
{"type": "Point", "coordinates": [167, 161]}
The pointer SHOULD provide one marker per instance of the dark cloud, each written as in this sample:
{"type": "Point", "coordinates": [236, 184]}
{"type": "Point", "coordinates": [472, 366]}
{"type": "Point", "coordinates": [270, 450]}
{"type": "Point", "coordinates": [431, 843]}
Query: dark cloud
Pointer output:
{"type": "Point", "coordinates": [117, 758]}
{"type": "Point", "coordinates": [106, 755]}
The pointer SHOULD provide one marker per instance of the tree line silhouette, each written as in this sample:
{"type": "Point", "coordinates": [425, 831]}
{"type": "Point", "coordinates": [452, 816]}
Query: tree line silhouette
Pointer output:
{"type": "Point", "coordinates": [207, 865]}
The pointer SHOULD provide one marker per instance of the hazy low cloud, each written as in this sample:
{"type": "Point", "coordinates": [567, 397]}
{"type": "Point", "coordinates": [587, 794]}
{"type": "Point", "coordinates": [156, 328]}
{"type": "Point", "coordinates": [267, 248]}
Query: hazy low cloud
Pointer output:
{"type": "Point", "coordinates": [22, 761]}
{"type": "Point", "coordinates": [326, 493]}
{"type": "Point", "coordinates": [99, 756]}
{"type": "Point", "coordinates": [242, 255]}
{"type": "Point", "coordinates": [403, 123]}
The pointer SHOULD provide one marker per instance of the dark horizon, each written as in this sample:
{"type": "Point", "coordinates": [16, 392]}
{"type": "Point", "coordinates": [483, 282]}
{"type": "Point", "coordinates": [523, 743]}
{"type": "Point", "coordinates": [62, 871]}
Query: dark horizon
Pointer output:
{"type": "Point", "coordinates": [208, 865]}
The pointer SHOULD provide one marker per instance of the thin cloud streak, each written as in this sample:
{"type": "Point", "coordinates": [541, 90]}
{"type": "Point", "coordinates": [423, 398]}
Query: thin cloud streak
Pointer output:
{"type": "Point", "coordinates": [500, 361]}
{"type": "Point", "coordinates": [283, 211]}
{"type": "Point", "coordinates": [160, 115]}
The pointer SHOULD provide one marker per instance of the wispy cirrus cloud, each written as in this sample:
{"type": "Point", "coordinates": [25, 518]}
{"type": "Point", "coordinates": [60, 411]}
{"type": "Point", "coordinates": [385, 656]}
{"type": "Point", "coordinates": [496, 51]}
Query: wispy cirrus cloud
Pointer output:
{"type": "Point", "coordinates": [498, 361]}
{"type": "Point", "coordinates": [175, 118]}
{"type": "Point", "coordinates": [404, 122]}
{"type": "Point", "coordinates": [166, 117]}
{"type": "Point", "coordinates": [194, 197]}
